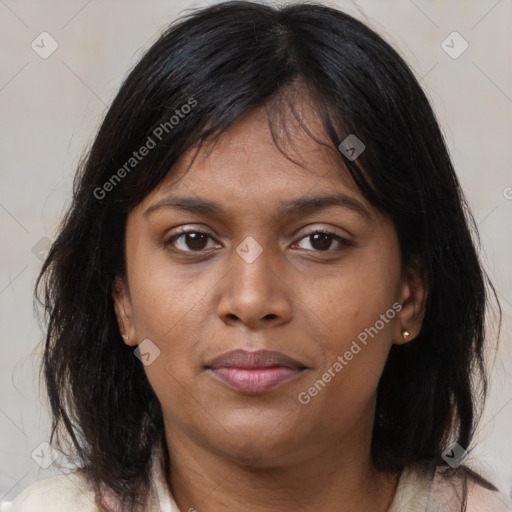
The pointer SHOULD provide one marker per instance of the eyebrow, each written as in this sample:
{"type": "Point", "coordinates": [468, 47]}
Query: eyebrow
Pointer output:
{"type": "Point", "coordinates": [290, 208]}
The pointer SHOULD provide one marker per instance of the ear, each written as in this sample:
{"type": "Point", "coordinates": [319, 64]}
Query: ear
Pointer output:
{"type": "Point", "coordinates": [123, 309]}
{"type": "Point", "coordinates": [412, 298]}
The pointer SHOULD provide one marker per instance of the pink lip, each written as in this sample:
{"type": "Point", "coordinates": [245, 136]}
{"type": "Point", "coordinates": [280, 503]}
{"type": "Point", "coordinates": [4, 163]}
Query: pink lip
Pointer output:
{"type": "Point", "coordinates": [254, 372]}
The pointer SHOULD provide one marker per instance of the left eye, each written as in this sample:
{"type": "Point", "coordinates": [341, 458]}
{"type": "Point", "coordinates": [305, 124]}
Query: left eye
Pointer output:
{"type": "Point", "coordinates": [321, 241]}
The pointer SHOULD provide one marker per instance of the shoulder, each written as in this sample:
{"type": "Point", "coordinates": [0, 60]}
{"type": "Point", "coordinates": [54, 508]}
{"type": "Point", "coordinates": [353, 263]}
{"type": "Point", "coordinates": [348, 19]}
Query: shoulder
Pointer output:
{"type": "Point", "coordinates": [448, 487]}
{"type": "Point", "coordinates": [59, 493]}
{"type": "Point", "coordinates": [433, 489]}
{"type": "Point", "coordinates": [481, 499]}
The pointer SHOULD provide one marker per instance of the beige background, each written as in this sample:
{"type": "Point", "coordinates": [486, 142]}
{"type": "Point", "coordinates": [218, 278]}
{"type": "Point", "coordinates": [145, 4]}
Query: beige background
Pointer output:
{"type": "Point", "coordinates": [50, 109]}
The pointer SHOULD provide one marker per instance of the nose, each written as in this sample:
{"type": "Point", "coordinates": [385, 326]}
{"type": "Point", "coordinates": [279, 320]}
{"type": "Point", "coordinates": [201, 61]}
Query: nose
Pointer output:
{"type": "Point", "coordinates": [255, 293]}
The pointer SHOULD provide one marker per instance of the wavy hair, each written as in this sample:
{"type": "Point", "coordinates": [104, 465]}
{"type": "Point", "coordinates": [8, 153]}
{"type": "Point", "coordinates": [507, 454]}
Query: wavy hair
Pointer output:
{"type": "Point", "coordinates": [222, 62]}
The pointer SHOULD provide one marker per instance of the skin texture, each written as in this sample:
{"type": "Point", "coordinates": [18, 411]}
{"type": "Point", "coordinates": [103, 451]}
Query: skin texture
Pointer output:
{"type": "Point", "coordinates": [267, 451]}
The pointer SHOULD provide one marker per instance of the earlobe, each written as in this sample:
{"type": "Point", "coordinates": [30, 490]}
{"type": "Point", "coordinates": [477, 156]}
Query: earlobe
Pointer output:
{"type": "Point", "coordinates": [413, 300]}
{"type": "Point", "coordinates": [123, 311]}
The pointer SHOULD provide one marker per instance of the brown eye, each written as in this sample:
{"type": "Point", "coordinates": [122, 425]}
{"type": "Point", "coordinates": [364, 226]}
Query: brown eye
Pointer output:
{"type": "Point", "coordinates": [195, 241]}
{"type": "Point", "coordinates": [189, 241]}
{"type": "Point", "coordinates": [322, 241]}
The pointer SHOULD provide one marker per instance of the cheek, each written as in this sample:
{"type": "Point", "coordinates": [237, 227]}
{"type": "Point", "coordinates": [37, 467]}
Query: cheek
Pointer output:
{"type": "Point", "coordinates": [356, 308]}
{"type": "Point", "coordinates": [165, 297]}
{"type": "Point", "coordinates": [354, 353]}
{"type": "Point", "coordinates": [171, 321]}
{"type": "Point", "coordinates": [171, 308]}
{"type": "Point", "coordinates": [354, 298]}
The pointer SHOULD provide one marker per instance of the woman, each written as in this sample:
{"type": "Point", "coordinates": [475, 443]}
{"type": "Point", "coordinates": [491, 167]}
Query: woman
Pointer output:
{"type": "Point", "coordinates": [265, 295]}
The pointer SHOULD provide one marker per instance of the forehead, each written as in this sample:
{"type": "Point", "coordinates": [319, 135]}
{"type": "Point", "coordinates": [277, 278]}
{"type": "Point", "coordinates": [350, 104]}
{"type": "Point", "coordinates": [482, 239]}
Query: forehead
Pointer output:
{"type": "Point", "coordinates": [246, 164]}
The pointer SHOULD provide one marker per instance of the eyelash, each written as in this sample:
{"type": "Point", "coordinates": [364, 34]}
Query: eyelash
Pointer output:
{"type": "Point", "coordinates": [343, 242]}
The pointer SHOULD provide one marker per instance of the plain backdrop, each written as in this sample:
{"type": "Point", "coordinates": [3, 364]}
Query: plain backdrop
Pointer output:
{"type": "Point", "coordinates": [51, 107]}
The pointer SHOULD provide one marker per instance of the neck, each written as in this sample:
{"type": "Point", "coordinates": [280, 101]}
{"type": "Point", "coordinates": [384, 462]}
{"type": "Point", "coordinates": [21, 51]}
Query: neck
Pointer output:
{"type": "Point", "coordinates": [338, 478]}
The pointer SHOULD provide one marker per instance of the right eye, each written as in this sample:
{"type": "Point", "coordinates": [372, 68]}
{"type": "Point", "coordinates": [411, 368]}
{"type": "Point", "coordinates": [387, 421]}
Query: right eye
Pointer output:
{"type": "Point", "coordinates": [193, 239]}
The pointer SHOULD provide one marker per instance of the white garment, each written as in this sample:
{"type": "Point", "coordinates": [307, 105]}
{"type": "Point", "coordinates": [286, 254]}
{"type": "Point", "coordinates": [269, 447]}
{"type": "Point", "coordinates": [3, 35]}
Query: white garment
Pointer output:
{"type": "Point", "coordinates": [71, 493]}
{"type": "Point", "coordinates": [425, 490]}
{"type": "Point", "coordinates": [418, 490]}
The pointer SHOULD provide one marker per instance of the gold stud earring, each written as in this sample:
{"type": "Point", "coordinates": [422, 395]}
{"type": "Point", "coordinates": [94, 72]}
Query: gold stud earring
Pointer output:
{"type": "Point", "coordinates": [125, 336]}
{"type": "Point", "coordinates": [405, 334]}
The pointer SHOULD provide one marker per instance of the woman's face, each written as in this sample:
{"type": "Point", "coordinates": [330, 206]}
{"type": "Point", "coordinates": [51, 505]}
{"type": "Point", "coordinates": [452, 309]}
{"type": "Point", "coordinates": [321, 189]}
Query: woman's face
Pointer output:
{"type": "Point", "coordinates": [258, 279]}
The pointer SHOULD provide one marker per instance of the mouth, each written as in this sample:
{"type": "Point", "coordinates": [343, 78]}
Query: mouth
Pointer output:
{"type": "Point", "coordinates": [254, 372]}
